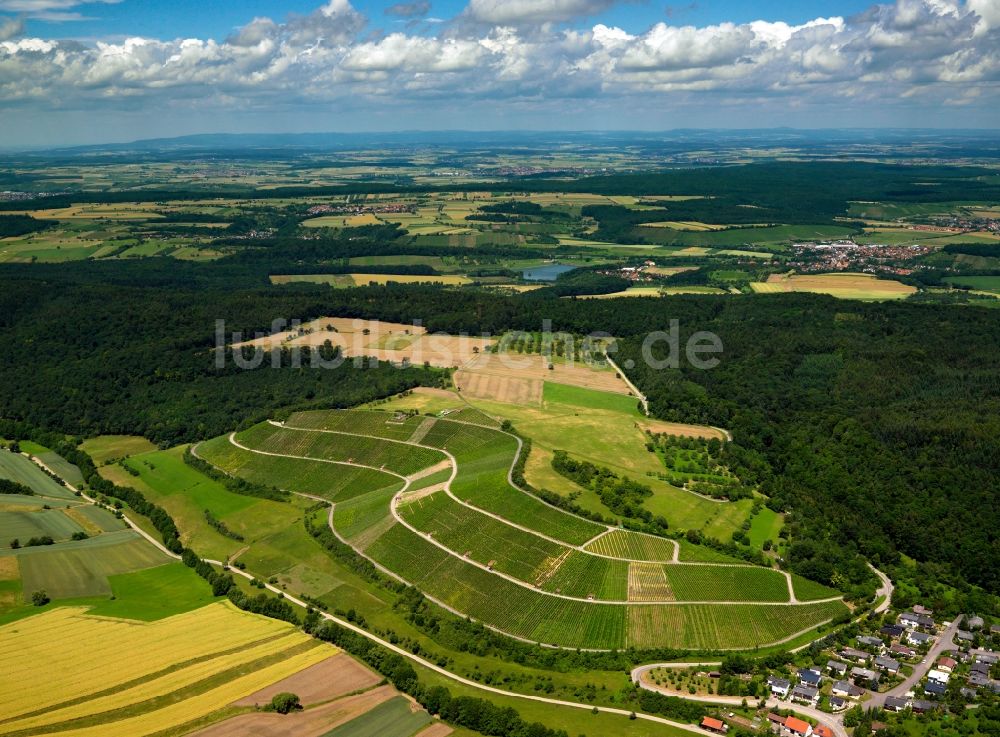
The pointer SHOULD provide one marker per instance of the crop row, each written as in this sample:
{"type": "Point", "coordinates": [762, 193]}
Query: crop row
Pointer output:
{"type": "Point", "coordinates": [584, 575]}
{"type": "Point", "coordinates": [630, 545]}
{"type": "Point", "coordinates": [726, 583]}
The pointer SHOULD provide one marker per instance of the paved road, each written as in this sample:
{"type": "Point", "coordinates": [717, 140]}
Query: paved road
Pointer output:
{"type": "Point", "coordinates": [946, 641]}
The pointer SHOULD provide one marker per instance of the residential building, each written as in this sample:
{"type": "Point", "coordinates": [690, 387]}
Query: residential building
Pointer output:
{"type": "Point", "coordinates": [848, 690]}
{"type": "Point", "coordinates": [836, 667]}
{"type": "Point", "coordinates": [806, 695]}
{"type": "Point", "coordinates": [918, 639]}
{"type": "Point", "coordinates": [810, 677]}
{"type": "Point", "coordinates": [980, 667]}
{"type": "Point", "coordinates": [988, 658]}
{"type": "Point", "coordinates": [974, 623]}
{"type": "Point", "coordinates": [902, 651]}
{"type": "Point", "coordinates": [911, 620]}
{"type": "Point", "coordinates": [887, 664]}
{"type": "Point", "coordinates": [965, 636]}
{"type": "Point", "coordinates": [868, 641]}
{"type": "Point", "coordinates": [938, 676]}
{"type": "Point", "coordinates": [969, 694]}
{"type": "Point", "coordinates": [795, 727]}
{"type": "Point", "coordinates": [894, 703]}
{"type": "Point", "coordinates": [892, 631]}
{"type": "Point", "coordinates": [935, 688]}
{"type": "Point", "coordinates": [947, 665]}
{"type": "Point", "coordinates": [821, 730]}
{"type": "Point", "coordinates": [864, 676]}
{"type": "Point", "coordinates": [920, 609]}
{"type": "Point", "coordinates": [920, 706]}
{"type": "Point", "coordinates": [710, 724]}
{"type": "Point", "coordinates": [858, 656]}
{"type": "Point", "coordinates": [779, 687]}
{"type": "Point", "coordinates": [978, 679]}
{"type": "Point", "coordinates": [838, 703]}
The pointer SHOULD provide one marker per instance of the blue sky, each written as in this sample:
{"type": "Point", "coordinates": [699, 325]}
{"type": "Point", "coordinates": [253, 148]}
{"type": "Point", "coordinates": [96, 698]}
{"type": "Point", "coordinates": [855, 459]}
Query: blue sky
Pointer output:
{"type": "Point", "coordinates": [175, 18]}
{"type": "Point", "coordinates": [78, 72]}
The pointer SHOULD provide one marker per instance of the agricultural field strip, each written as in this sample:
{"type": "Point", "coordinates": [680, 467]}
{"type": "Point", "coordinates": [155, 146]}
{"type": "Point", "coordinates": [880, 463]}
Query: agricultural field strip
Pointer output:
{"type": "Point", "coordinates": [447, 489]}
{"type": "Point", "coordinates": [157, 686]}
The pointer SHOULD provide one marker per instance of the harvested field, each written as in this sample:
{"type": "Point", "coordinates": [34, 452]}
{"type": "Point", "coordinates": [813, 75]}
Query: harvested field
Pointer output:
{"type": "Point", "coordinates": [373, 338]}
{"type": "Point", "coordinates": [676, 428]}
{"type": "Point", "coordinates": [535, 368]}
{"type": "Point", "coordinates": [334, 677]}
{"type": "Point", "coordinates": [316, 722]}
{"type": "Point", "coordinates": [506, 389]}
{"type": "Point", "coordinates": [844, 286]}
{"type": "Point", "coordinates": [648, 582]}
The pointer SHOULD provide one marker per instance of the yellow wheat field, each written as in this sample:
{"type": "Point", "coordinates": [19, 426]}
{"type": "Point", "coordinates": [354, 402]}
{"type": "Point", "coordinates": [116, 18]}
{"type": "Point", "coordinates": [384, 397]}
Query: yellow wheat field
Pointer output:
{"type": "Point", "coordinates": [54, 659]}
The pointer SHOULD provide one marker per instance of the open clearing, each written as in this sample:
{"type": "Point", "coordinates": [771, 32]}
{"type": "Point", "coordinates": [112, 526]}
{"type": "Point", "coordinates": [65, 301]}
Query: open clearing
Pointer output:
{"type": "Point", "coordinates": [844, 286]}
{"type": "Point", "coordinates": [193, 665]}
{"type": "Point", "coordinates": [363, 280]}
{"type": "Point", "coordinates": [368, 338]}
{"type": "Point", "coordinates": [106, 448]}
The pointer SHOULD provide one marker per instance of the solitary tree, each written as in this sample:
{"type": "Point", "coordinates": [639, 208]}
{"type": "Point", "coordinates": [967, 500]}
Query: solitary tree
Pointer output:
{"type": "Point", "coordinates": [40, 598]}
{"type": "Point", "coordinates": [285, 703]}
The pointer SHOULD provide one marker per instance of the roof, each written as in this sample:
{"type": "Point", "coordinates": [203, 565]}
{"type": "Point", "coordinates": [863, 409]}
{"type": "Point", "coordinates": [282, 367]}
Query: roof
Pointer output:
{"type": "Point", "coordinates": [807, 692]}
{"type": "Point", "coordinates": [888, 663]}
{"type": "Point", "coordinates": [894, 702]}
{"type": "Point", "coordinates": [779, 682]}
{"type": "Point", "coordinates": [797, 725]}
{"type": "Point", "coordinates": [712, 723]}
{"type": "Point", "coordinates": [810, 676]}
{"type": "Point", "coordinates": [836, 665]}
{"type": "Point", "coordinates": [776, 718]}
{"type": "Point", "coordinates": [965, 635]}
{"type": "Point", "coordinates": [935, 688]}
{"type": "Point", "coordinates": [947, 662]}
{"type": "Point", "coordinates": [823, 731]}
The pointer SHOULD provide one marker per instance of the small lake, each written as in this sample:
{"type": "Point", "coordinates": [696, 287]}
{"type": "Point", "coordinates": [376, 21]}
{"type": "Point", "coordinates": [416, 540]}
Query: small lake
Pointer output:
{"type": "Point", "coordinates": [548, 272]}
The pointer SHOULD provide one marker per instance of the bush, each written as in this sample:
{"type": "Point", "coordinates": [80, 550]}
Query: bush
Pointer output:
{"type": "Point", "coordinates": [40, 598]}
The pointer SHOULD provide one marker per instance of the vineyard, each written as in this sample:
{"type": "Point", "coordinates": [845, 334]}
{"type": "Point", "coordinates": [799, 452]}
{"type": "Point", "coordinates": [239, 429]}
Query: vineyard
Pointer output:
{"type": "Point", "coordinates": [726, 583]}
{"type": "Point", "coordinates": [574, 584]}
{"type": "Point", "coordinates": [382, 454]}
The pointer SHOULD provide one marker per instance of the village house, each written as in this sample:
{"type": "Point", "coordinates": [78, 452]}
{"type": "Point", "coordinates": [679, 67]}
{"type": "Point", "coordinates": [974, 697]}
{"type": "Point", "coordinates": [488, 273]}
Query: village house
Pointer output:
{"type": "Point", "coordinates": [863, 676]}
{"type": "Point", "coordinates": [805, 695]}
{"type": "Point", "coordinates": [822, 731]}
{"type": "Point", "coordinates": [911, 620]}
{"type": "Point", "coordinates": [892, 631]}
{"type": "Point", "coordinates": [920, 706]}
{"type": "Point", "coordinates": [920, 609]}
{"type": "Point", "coordinates": [895, 703]}
{"type": "Point", "coordinates": [946, 665]}
{"type": "Point", "coordinates": [858, 656]}
{"type": "Point", "coordinates": [969, 694]}
{"type": "Point", "coordinates": [980, 667]}
{"type": "Point", "coordinates": [839, 703]}
{"type": "Point", "coordinates": [776, 721]}
{"type": "Point", "coordinates": [918, 638]}
{"type": "Point", "coordinates": [938, 676]}
{"type": "Point", "coordinates": [988, 658]}
{"type": "Point", "coordinates": [868, 641]}
{"type": "Point", "coordinates": [795, 727]}
{"type": "Point", "coordinates": [810, 677]}
{"type": "Point", "coordinates": [935, 688]}
{"type": "Point", "coordinates": [716, 726]}
{"type": "Point", "coordinates": [887, 664]}
{"type": "Point", "coordinates": [978, 679]}
{"type": "Point", "coordinates": [836, 668]}
{"type": "Point", "coordinates": [974, 623]}
{"type": "Point", "coordinates": [847, 690]}
{"type": "Point", "coordinates": [965, 636]}
{"type": "Point", "coordinates": [902, 651]}
{"type": "Point", "coordinates": [779, 687]}
{"type": "Point", "coordinates": [995, 629]}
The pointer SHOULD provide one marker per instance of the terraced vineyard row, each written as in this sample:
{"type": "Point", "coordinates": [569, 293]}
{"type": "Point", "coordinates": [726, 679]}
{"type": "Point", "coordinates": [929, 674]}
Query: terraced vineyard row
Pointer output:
{"type": "Point", "coordinates": [728, 626]}
{"type": "Point", "coordinates": [726, 583]}
{"type": "Point", "coordinates": [331, 482]}
{"type": "Point", "coordinates": [482, 538]}
{"type": "Point", "coordinates": [633, 546]}
{"type": "Point", "coordinates": [362, 422]}
{"type": "Point", "coordinates": [535, 616]}
{"type": "Point", "coordinates": [483, 466]}
{"type": "Point", "coordinates": [385, 454]}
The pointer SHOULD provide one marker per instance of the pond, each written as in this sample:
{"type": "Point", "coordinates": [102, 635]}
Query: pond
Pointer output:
{"type": "Point", "coordinates": [548, 272]}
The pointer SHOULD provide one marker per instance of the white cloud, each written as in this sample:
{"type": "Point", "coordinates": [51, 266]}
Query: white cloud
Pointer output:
{"type": "Point", "coordinates": [517, 12]}
{"type": "Point", "coordinates": [913, 52]}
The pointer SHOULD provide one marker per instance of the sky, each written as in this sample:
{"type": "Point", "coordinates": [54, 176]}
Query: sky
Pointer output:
{"type": "Point", "coordinates": [117, 70]}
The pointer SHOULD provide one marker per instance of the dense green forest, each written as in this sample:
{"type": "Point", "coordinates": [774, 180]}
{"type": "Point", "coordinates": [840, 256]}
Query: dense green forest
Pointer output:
{"type": "Point", "coordinates": [15, 225]}
{"type": "Point", "coordinates": [875, 426]}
